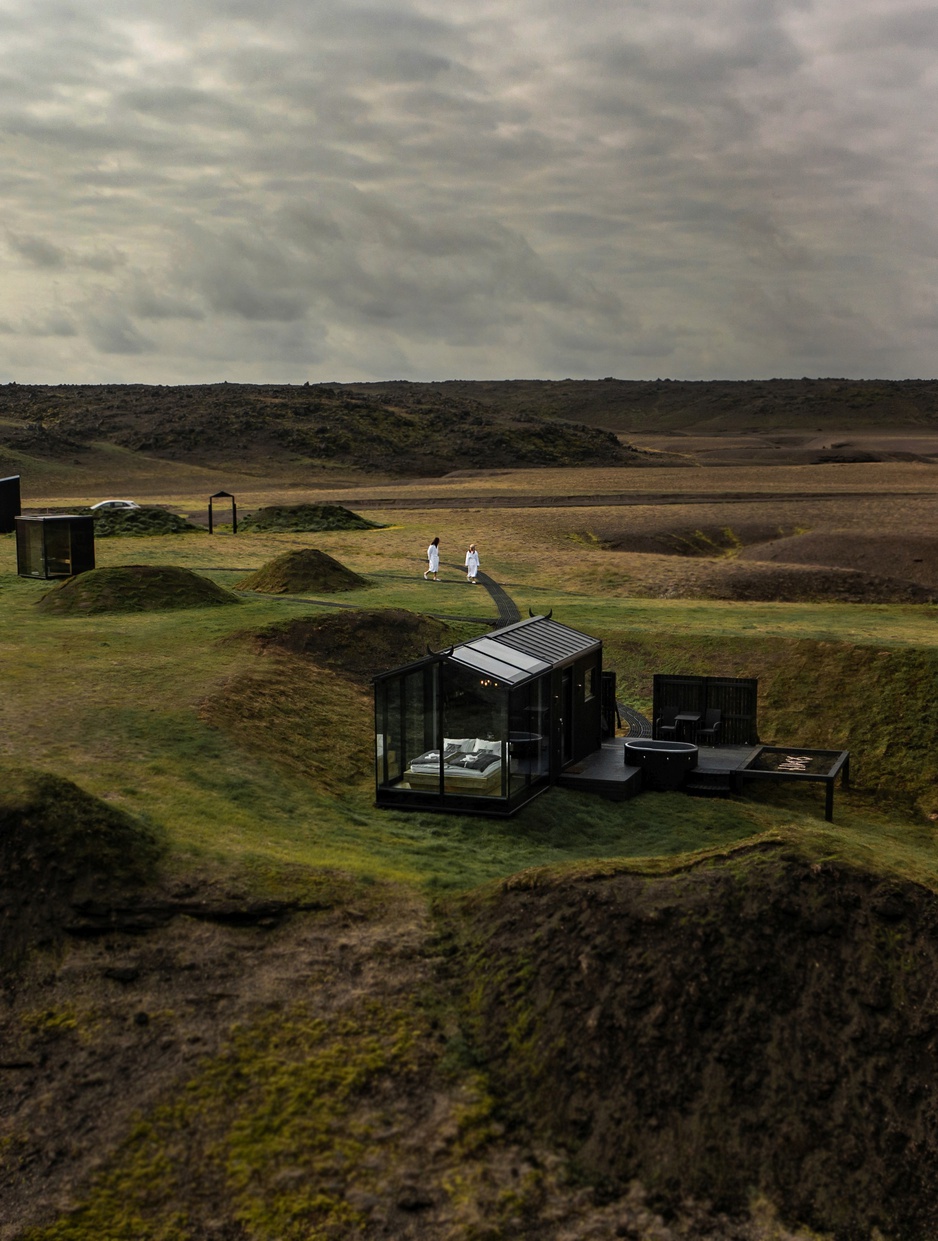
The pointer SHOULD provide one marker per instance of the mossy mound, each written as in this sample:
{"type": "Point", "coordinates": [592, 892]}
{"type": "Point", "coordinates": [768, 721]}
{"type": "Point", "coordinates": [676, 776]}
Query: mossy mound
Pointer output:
{"type": "Point", "coordinates": [304, 705]}
{"type": "Point", "coordinates": [148, 519]}
{"type": "Point", "coordinates": [302, 570]}
{"type": "Point", "coordinates": [306, 518]}
{"type": "Point", "coordinates": [302, 718]}
{"type": "Point", "coordinates": [133, 588]}
{"type": "Point", "coordinates": [771, 1020]}
{"type": "Point", "coordinates": [360, 644]}
{"type": "Point", "coordinates": [61, 847]}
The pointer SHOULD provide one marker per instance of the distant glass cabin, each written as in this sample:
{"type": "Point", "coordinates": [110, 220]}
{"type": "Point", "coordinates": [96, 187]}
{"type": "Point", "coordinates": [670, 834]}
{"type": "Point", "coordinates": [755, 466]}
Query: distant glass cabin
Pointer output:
{"type": "Point", "coordinates": [484, 726]}
{"type": "Point", "coordinates": [58, 546]}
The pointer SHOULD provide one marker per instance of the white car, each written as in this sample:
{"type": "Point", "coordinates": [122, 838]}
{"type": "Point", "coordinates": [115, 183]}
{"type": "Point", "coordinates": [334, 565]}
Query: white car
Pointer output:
{"type": "Point", "coordinates": [103, 505]}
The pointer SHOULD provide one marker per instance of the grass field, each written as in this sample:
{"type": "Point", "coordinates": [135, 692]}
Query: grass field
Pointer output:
{"type": "Point", "coordinates": [154, 712]}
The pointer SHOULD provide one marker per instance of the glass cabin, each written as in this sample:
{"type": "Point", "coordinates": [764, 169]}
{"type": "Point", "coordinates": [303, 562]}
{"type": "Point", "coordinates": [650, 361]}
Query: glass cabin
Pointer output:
{"type": "Point", "coordinates": [58, 546]}
{"type": "Point", "coordinates": [486, 725]}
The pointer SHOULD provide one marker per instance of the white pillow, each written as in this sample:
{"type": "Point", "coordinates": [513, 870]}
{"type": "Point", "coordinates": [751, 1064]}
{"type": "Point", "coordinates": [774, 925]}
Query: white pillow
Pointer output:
{"type": "Point", "coordinates": [458, 743]}
{"type": "Point", "coordinates": [482, 746]}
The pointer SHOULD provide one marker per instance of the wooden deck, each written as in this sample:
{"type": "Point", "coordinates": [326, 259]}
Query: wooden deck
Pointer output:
{"type": "Point", "coordinates": [604, 772]}
{"type": "Point", "coordinates": [720, 770]}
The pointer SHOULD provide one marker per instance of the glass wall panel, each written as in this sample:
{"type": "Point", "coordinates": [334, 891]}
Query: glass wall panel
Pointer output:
{"type": "Point", "coordinates": [58, 549]}
{"type": "Point", "coordinates": [420, 716]}
{"type": "Point", "coordinates": [529, 734]}
{"type": "Point", "coordinates": [475, 732]}
{"type": "Point", "coordinates": [406, 727]}
{"type": "Point", "coordinates": [29, 549]}
{"type": "Point", "coordinates": [389, 748]}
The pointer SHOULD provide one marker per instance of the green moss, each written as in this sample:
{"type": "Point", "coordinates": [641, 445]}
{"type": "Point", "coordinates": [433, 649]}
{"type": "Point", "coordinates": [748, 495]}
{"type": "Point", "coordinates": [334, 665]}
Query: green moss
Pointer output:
{"type": "Point", "coordinates": [304, 569]}
{"type": "Point", "coordinates": [146, 520]}
{"type": "Point", "coordinates": [50, 1021]}
{"type": "Point", "coordinates": [277, 1124]}
{"type": "Point", "coordinates": [133, 588]}
{"type": "Point", "coordinates": [305, 518]}
{"type": "Point", "coordinates": [44, 815]}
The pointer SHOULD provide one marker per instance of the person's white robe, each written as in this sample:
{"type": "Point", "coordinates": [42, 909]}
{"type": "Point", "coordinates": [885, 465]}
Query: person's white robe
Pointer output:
{"type": "Point", "coordinates": [433, 557]}
{"type": "Point", "coordinates": [472, 564]}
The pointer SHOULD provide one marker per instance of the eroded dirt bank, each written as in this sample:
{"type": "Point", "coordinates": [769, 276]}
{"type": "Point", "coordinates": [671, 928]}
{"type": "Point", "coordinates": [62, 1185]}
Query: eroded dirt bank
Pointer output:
{"type": "Point", "coordinates": [290, 1055]}
{"type": "Point", "coordinates": [198, 1066]}
{"type": "Point", "coordinates": [762, 1023]}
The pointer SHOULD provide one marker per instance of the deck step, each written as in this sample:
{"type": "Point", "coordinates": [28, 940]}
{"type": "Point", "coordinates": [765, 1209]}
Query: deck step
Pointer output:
{"type": "Point", "coordinates": [708, 783]}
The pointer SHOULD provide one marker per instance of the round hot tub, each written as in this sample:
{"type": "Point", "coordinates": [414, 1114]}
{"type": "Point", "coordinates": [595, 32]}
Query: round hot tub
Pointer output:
{"type": "Point", "coordinates": [663, 764]}
{"type": "Point", "coordinates": [524, 745]}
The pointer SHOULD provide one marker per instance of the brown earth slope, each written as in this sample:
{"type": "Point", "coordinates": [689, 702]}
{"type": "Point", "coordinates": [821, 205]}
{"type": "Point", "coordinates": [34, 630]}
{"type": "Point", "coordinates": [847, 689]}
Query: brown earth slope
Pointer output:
{"type": "Point", "coordinates": [244, 1057]}
{"type": "Point", "coordinates": [913, 557]}
{"type": "Point", "coordinates": [779, 563]}
{"type": "Point", "coordinates": [765, 1023]}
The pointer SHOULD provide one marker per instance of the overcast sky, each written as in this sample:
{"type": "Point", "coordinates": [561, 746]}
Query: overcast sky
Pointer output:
{"type": "Point", "coordinates": [282, 190]}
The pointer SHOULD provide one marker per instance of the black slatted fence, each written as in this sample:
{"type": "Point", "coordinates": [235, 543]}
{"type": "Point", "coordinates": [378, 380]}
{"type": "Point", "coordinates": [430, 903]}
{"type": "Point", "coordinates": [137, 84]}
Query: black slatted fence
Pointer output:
{"type": "Point", "coordinates": [736, 698]}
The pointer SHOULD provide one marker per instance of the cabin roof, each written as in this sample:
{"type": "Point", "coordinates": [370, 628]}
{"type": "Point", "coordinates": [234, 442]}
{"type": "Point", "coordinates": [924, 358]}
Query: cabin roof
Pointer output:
{"type": "Point", "coordinates": [519, 652]}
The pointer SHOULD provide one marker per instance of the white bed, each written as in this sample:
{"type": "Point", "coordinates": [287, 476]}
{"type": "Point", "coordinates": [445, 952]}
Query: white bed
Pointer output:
{"type": "Point", "coordinates": [467, 760]}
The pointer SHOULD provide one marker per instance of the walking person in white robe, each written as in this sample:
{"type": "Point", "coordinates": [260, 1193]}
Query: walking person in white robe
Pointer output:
{"type": "Point", "coordinates": [433, 560]}
{"type": "Point", "coordinates": [472, 564]}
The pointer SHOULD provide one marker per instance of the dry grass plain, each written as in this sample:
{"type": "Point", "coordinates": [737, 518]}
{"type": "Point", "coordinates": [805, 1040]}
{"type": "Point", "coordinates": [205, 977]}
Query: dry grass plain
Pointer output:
{"type": "Point", "coordinates": [863, 533]}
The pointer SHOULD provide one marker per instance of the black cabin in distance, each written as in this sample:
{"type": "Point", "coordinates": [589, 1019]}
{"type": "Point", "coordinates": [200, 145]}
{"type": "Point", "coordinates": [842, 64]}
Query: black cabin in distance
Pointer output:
{"type": "Point", "coordinates": [486, 725]}
{"type": "Point", "coordinates": [9, 503]}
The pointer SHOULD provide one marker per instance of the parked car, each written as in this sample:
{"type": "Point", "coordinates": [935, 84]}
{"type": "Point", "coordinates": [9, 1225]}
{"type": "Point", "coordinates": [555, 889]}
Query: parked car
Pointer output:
{"type": "Point", "coordinates": [104, 505]}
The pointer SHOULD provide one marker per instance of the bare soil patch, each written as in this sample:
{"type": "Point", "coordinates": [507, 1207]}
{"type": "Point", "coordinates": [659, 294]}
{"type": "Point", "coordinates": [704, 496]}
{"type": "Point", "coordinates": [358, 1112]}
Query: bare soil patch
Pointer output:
{"type": "Point", "coordinates": [802, 584]}
{"type": "Point", "coordinates": [911, 557]}
{"type": "Point", "coordinates": [776, 563]}
{"type": "Point", "coordinates": [698, 540]}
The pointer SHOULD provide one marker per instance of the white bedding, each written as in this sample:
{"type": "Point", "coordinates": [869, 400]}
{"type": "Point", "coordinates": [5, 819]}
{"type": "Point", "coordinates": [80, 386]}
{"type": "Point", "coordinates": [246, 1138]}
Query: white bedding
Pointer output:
{"type": "Point", "coordinates": [474, 758]}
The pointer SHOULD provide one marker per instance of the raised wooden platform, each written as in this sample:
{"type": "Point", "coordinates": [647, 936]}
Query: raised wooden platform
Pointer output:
{"type": "Point", "coordinates": [720, 771]}
{"type": "Point", "coordinates": [604, 772]}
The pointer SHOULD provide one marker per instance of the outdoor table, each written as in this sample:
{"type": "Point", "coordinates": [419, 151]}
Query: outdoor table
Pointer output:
{"type": "Point", "coordinates": [775, 762]}
{"type": "Point", "coordinates": [685, 720]}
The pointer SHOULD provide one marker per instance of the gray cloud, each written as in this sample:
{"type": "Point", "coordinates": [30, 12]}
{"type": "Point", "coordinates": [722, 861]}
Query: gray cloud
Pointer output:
{"type": "Point", "coordinates": [54, 324]}
{"type": "Point", "coordinates": [313, 188]}
{"type": "Point", "coordinates": [112, 331]}
{"type": "Point", "coordinates": [37, 251]}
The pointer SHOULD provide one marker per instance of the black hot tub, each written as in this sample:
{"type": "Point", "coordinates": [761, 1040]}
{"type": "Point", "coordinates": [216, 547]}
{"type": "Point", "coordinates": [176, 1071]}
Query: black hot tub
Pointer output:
{"type": "Point", "coordinates": [663, 764]}
{"type": "Point", "coordinates": [524, 745]}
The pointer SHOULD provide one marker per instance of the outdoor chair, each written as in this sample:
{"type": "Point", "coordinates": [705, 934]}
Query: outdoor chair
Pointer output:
{"type": "Point", "coordinates": [666, 723]}
{"type": "Point", "coordinates": [709, 730]}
